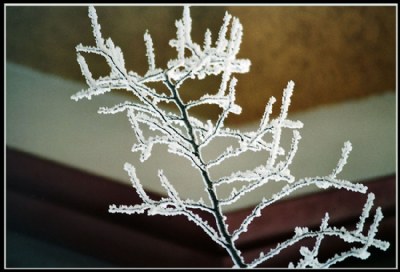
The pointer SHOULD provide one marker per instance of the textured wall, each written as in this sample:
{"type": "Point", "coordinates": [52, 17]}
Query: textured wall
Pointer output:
{"type": "Point", "coordinates": [332, 53]}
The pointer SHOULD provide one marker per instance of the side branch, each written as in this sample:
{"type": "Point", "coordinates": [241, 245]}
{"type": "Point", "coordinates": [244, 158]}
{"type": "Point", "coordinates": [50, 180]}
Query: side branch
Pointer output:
{"type": "Point", "coordinates": [290, 188]}
{"type": "Point", "coordinates": [347, 236]}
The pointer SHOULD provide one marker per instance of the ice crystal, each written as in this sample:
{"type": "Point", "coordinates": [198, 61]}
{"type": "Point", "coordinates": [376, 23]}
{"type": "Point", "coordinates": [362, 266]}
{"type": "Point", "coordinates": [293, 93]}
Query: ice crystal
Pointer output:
{"type": "Point", "coordinates": [186, 136]}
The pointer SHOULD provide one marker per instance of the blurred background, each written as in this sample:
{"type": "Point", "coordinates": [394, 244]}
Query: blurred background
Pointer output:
{"type": "Point", "coordinates": [333, 53]}
{"type": "Point", "coordinates": [342, 59]}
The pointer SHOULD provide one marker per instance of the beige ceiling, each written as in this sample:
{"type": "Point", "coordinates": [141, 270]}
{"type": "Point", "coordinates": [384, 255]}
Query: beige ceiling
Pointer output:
{"type": "Point", "coordinates": [332, 53]}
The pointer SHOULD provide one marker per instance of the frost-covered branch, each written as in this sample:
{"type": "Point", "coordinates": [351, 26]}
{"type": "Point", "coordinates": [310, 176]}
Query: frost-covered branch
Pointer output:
{"type": "Point", "coordinates": [173, 205]}
{"type": "Point", "coordinates": [187, 136]}
{"type": "Point", "coordinates": [324, 182]}
{"type": "Point", "coordinates": [310, 257]}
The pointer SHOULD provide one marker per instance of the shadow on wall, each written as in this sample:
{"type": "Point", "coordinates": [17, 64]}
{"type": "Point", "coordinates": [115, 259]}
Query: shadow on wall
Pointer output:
{"type": "Point", "coordinates": [332, 53]}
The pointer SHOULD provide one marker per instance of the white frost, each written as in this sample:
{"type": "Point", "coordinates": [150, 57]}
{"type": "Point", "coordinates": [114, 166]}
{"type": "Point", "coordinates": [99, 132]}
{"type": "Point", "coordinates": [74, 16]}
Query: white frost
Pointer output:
{"type": "Point", "coordinates": [186, 136]}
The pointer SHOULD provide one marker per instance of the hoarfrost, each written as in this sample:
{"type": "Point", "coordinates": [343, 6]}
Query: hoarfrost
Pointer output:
{"type": "Point", "coordinates": [186, 135]}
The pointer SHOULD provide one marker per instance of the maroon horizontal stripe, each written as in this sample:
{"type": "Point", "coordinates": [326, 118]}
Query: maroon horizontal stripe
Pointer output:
{"type": "Point", "coordinates": [69, 207]}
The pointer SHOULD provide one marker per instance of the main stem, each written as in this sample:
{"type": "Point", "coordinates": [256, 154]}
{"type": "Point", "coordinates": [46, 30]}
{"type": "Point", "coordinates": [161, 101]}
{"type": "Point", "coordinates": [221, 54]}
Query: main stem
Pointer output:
{"type": "Point", "coordinates": [229, 245]}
